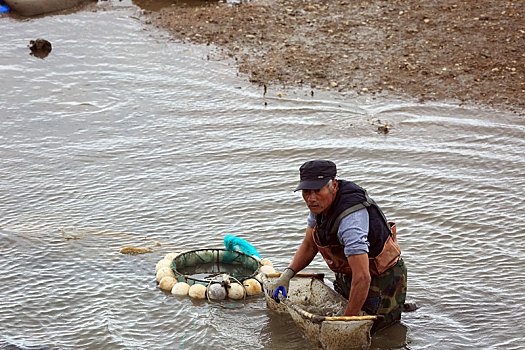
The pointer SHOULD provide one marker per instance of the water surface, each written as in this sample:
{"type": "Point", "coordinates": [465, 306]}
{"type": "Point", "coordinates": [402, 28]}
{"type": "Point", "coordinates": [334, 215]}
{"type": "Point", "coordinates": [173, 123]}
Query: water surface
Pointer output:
{"type": "Point", "coordinates": [122, 137]}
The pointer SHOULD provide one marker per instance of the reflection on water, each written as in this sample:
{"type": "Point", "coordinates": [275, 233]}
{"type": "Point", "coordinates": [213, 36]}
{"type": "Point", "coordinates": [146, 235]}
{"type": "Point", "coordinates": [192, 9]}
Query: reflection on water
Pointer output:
{"type": "Point", "coordinates": [124, 138]}
{"type": "Point", "coordinates": [393, 337]}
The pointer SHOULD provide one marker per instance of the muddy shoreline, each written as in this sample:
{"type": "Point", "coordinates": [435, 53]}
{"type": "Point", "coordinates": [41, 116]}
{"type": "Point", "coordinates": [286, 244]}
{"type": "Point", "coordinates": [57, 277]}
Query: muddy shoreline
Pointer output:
{"type": "Point", "coordinates": [462, 52]}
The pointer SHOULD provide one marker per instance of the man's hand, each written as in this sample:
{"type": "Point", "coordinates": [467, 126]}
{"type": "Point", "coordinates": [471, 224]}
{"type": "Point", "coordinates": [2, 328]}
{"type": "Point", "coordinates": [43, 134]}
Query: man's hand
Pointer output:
{"type": "Point", "coordinates": [281, 285]}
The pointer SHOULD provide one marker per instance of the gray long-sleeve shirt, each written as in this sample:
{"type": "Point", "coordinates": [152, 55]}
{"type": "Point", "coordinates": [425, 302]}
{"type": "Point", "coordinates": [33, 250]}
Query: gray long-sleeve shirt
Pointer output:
{"type": "Point", "coordinates": [353, 232]}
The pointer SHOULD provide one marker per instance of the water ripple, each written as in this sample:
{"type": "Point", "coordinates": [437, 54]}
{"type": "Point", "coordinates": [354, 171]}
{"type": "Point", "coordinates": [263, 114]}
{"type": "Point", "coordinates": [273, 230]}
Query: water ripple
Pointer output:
{"type": "Point", "coordinates": [126, 139]}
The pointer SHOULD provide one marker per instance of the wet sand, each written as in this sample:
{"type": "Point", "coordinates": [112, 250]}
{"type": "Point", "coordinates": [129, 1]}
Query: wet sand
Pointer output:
{"type": "Point", "coordinates": [460, 52]}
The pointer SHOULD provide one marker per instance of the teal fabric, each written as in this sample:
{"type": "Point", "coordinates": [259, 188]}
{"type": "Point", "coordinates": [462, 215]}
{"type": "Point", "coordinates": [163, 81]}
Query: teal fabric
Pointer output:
{"type": "Point", "coordinates": [239, 244]}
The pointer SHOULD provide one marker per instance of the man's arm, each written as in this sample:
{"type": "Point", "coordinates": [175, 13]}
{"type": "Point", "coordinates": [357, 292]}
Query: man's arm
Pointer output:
{"type": "Point", "coordinates": [303, 256]}
{"type": "Point", "coordinates": [360, 283]}
{"type": "Point", "coordinates": [352, 234]}
{"type": "Point", "coordinates": [306, 252]}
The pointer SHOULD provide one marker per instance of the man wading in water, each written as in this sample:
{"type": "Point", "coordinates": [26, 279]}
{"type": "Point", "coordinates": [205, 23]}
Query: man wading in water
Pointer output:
{"type": "Point", "coordinates": [352, 234]}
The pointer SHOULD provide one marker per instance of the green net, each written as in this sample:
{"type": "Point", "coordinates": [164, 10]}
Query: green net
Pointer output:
{"type": "Point", "coordinates": [206, 266]}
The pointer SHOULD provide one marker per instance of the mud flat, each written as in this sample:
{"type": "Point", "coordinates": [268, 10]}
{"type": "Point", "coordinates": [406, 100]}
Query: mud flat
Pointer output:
{"type": "Point", "coordinates": [466, 52]}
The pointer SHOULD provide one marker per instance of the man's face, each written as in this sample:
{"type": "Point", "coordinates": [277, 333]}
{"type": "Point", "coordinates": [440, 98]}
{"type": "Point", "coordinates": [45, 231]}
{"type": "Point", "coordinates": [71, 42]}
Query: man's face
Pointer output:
{"type": "Point", "coordinates": [319, 201]}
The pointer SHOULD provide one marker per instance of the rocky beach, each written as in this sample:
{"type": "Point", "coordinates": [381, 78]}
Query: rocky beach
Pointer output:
{"type": "Point", "coordinates": [454, 51]}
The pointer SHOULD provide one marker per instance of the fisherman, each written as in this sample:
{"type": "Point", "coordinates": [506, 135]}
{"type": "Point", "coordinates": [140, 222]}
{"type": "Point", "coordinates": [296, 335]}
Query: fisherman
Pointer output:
{"type": "Point", "coordinates": [352, 234]}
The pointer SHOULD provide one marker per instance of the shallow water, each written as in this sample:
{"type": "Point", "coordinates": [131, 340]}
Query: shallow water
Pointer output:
{"type": "Point", "coordinates": [121, 137]}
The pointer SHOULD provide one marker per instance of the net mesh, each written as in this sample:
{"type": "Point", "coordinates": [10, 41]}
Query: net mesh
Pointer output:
{"type": "Point", "coordinates": [206, 266]}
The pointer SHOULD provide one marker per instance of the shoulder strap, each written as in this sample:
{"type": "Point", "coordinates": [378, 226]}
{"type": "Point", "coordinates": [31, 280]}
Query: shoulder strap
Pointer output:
{"type": "Point", "coordinates": [369, 202]}
{"type": "Point", "coordinates": [354, 208]}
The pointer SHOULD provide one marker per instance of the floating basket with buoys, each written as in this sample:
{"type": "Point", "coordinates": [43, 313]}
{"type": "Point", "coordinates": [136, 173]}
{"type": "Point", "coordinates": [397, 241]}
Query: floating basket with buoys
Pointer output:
{"type": "Point", "coordinates": [212, 273]}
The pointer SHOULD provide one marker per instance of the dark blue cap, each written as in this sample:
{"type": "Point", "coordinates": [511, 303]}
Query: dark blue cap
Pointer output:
{"type": "Point", "coordinates": [315, 174]}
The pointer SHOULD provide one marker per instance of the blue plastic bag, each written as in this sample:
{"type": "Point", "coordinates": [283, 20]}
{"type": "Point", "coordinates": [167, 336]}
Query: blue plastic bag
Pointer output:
{"type": "Point", "coordinates": [240, 245]}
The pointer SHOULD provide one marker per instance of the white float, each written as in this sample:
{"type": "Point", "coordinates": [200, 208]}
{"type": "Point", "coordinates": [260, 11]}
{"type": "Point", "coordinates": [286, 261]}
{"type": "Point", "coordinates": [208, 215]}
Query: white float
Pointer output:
{"type": "Point", "coordinates": [167, 283]}
{"type": "Point", "coordinates": [266, 262]}
{"type": "Point", "coordinates": [171, 256]}
{"type": "Point", "coordinates": [197, 291]}
{"type": "Point", "coordinates": [163, 263]}
{"type": "Point", "coordinates": [252, 286]}
{"type": "Point", "coordinates": [267, 269]}
{"type": "Point", "coordinates": [235, 291]}
{"type": "Point", "coordinates": [163, 272]}
{"type": "Point", "coordinates": [180, 289]}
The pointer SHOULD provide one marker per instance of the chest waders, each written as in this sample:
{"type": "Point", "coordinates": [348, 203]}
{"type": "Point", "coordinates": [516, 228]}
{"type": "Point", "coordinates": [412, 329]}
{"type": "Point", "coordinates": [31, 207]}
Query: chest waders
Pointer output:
{"type": "Point", "coordinates": [387, 291]}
